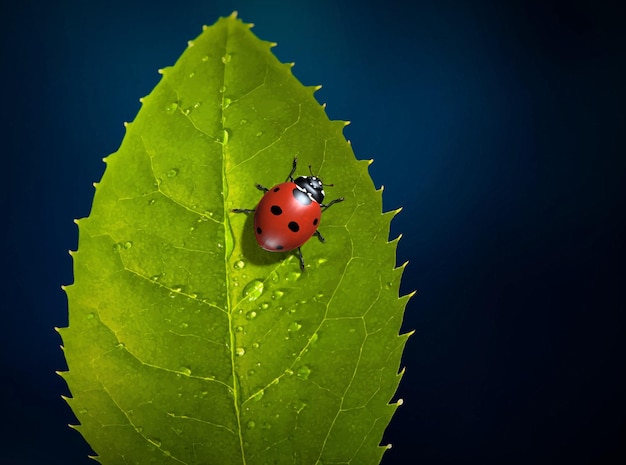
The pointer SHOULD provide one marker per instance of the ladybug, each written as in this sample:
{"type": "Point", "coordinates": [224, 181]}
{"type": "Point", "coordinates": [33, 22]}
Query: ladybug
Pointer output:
{"type": "Point", "coordinates": [289, 213]}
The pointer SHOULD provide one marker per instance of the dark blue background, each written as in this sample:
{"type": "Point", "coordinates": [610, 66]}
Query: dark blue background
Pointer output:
{"type": "Point", "coordinates": [499, 129]}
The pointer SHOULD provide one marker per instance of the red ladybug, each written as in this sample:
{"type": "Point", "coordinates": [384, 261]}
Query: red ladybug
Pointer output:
{"type": "Point", "coordinates": [289, 214]}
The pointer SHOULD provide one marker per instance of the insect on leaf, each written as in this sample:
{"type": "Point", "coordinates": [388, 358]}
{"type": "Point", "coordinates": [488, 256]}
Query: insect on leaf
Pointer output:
{"type": "Point", "coordinates": [189, 344]}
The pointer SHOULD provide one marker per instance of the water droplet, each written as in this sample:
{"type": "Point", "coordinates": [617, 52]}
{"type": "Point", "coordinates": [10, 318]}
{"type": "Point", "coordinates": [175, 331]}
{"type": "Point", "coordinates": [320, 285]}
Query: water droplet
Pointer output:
{"type": "Point", "coordinates": [321, 260]}
{"type": "Point", "coordinates": [239, 265]}
{"type": "Point", "coordinates": [226, 102]}
{"type": "Point", "coordinates": [276, 295]}
{"type": "Point", "coordinates": [259, 134]}
{"type": "Point", "coordinates": [303, 372]}
{"type": "Point", "coordinates": [117, 247]}
{"type": "Point", "coordinates": [226, 58]}
{"type": "Point", "coordinates": [172, 173]}
{"type": "Point", "coordinates": [184, 325]}
{"type": "Point", "coordinates": [251, 424]}
{"type": "Point", "coordinates": [293, 276]}
{"type": "Point", "coordinates": [83, 411]}
{"type": "Point", "coordinates": [274, 277]}
{"type": "Point", "coordinates": [120, 345]}
{"type": "Point", "coordinates": [253, 290]}
{"type": "Point", "coordinates": [151, 201]}
{"type": "Point", "coordinates": [240, 351]}
{"type": "Point", "coordinates": [91, 316]}
{"type": "Point", "coordinates": [244, 121]}
{"type": "Point", "coordinates": [289, 371]}
{"type": "Point", "coordinates": [222, 89]}
{"type": "Point", "coordinates": [251, 372]}
{"type": "Point", "coordinates": [239, 329]}
{"type": "Point", "coordinates": [171, 108]}
{"type": "Point", "coordinates": [155, 441]}
{"type": "Point", "coordinates": [192, 74]}
{"type": "Point", "coordinates": [205, 58]}
{"type": "Point", "coordinates": [258, 396]}
{"type": "Point", "coordinates": [226, 136]}
{"type": "Point", "coordinates": [185, 370]}
{"type": "Point", "coordinates": [255, 345]}
{"type": "Point", "coordinates": [128, 245]}
{"type": "Point", "coordinates": [197, 105]}
{"type": "Point", "coordinates": [294, 326]}
{"type": "Point", "coordinates": [265, 306]}
{"type": "Point", "coordinates": [314, 338]}
{"type": "Point", "coordinates": [266, 426]}
{"type": "Point", "coordinates": [251, 315]}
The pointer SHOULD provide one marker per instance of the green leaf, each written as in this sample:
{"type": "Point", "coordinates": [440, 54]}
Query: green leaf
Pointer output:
{"type": "Point", "coordinates": [187, 342]}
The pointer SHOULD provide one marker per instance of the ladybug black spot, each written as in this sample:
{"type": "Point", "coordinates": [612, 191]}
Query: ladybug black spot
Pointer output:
{"type": "Point", "coordinates": [315, 221]}
{"type": "Point", "coordinates": [279, 247]}
{"type": "Point", "coordinates": [276, 189]}
{"type": "Point", "coordinates": [276, 210]}
{"type": "Point", "coordinates": [295, 227]}
{"type": "Point", "coordinates": [258, 230]}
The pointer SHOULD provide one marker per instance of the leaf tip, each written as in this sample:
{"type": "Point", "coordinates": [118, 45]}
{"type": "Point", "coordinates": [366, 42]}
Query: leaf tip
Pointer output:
{"type": "Point", "coordinates": [399, 402]}
{"type": "Point", "coordinates": [233, 15]}
{"type": "Point", "coordinates": [190, 43]}
{"type": "Point", "coordinates": [161, 71]}
{"type": "Point", "coordinates": [346, 123]}
{"type": "Point", "coordinates": [370, 161]}
{"type": "Point", "coordinates": [388, 446]}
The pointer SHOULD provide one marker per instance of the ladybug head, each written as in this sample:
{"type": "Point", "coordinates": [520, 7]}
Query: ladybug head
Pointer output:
{"type": "Point", "coordinates": [312, 186]}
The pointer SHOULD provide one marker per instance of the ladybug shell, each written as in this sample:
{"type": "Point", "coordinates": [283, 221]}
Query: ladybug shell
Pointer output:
{"type": "Point", "coordinates": [285, 218]}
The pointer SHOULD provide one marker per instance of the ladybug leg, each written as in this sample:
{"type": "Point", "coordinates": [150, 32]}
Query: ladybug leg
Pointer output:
{"type": "Point", "coordinates": [301, 259]}
{"type": "Point", "coordinates": [340, 199]}
{"type": "Point", "coordinates": [261, 188]}
{"type": "Point", "coordinates": [242, 210]}
{"type": "Point", "coordinates": [319, 236]}
{"type": "Point", "coordinates": [293, 169]}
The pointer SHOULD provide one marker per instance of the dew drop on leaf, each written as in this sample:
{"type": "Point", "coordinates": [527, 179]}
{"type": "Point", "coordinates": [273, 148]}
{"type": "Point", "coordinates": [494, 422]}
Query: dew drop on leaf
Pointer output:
{"type": "Point", "coordinates": [240, 351]}
{"type": "Point", "coordinates": [171, 108]}
{"type": "Point", "coordinates": [251, 315]}
{"type": "Point", "coordinates": [303, 372]}
{"type": "Point", "coordinates": [253, 290]}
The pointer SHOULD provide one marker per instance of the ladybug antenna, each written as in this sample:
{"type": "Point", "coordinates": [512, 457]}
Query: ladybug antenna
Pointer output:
{"type": "Point", "coordinates": [311, 171]}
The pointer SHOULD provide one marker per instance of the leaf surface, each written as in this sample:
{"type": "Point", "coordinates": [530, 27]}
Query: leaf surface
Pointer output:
{"type": "Point", "coordinates": [188, 343]}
